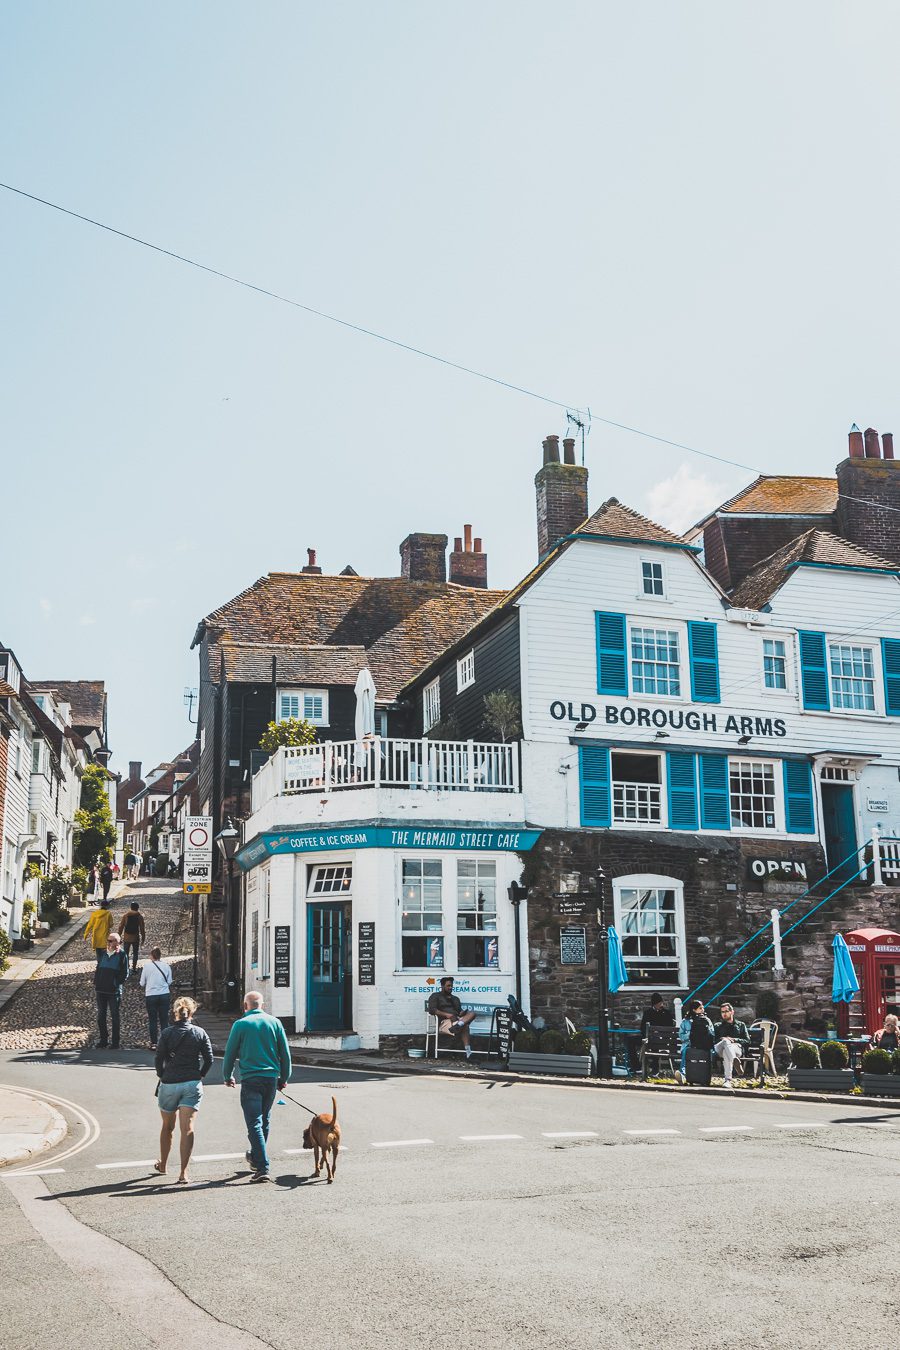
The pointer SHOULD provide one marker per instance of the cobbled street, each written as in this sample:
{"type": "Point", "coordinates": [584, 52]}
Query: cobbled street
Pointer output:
{"type": "Point", "coordinates": [56, 1008]}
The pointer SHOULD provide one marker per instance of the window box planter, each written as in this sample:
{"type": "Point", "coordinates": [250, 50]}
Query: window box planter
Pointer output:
{"type": "Point", "coordinates": [821, 1080]}
{"type": "Point", "coordinates": [881, 1084]}
{"type": "Point", "coordinates": [532, 1061]}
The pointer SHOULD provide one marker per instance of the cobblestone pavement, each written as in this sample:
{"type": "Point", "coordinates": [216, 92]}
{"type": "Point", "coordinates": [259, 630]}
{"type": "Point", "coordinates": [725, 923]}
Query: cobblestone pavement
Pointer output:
{"type": "Point", "coordinates": [56, 1009]}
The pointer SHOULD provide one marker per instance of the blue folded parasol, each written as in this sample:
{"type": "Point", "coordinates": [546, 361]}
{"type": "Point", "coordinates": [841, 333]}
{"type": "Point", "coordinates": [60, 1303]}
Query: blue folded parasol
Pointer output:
{"type": "Point", "coordinates": [618, 975]}
{"type": "Point", "coordinates": [844, 984]}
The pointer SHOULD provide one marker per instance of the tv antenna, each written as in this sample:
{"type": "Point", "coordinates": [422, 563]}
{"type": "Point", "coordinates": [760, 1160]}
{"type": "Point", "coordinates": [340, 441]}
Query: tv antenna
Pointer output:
{"type": "Point", "coordinates": [189, 697]}
{"type": "Point", "coordinates": [583, 424]}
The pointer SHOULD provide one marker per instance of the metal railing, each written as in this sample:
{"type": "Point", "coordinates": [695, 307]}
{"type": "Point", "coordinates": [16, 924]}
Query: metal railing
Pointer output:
{"type": "Point", "coordinates": [443, 766]}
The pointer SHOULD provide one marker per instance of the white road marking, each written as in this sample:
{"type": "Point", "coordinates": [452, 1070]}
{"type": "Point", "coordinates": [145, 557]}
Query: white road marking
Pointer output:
{"type": "Point", "coordinates": [651, 1132]}
{"type": "Point", "coordinates": [570, 1134]}
{"type": "Point", "coordinates": [401, 1143]}
{"type": "Point", "coordinates": [802, 1125]}
{"type": "Point", "coordinates": [45, 1171]}
{"type": "Point", "coordinates": [724, 1129]}
{"type": "Point", "coordinates": [214, 1157]}
{"type": "Point", "coordinates": [90, 1124]}
{"type": "Point", "coordinates": [872, 1124]}
{"type": "Point", "coordinates": [140, 1162]}
{"type": "Point", "coordinates": [484, 1138]}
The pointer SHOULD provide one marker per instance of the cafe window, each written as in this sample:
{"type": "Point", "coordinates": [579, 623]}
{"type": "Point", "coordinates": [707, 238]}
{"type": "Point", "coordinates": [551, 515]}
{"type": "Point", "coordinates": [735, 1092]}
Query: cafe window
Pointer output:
{"type": "Point", "coordinates": [476, 914]}
{"type": "Point", "coordinates": [421, 913]}
{"type": "Point", "coordinates": [752, 791]}
{"type": "Point", "coordinates": [331, 879]}
{"type": "Point", "coordinates": [636, 790]}
{"type": "Point", "coordinates": [649, 917]}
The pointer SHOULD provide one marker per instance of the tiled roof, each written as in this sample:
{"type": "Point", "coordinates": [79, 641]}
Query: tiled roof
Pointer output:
{"type": "Point", "coordinates": [783, 495]}
{"type": "Point", "coordinates": [87, 699]}
{"type": "Point", "coordinates": [815, 546]}
{"type": "Point", "coordinates": [615, 521]}
{"type": "Point", "coordinates": [245, 663]}
{"type": "Point", "coordinates": [401, 624]}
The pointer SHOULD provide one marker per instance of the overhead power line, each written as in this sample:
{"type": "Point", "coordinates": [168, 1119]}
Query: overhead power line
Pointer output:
{"type": "Point", "coordinates": [398, 343]}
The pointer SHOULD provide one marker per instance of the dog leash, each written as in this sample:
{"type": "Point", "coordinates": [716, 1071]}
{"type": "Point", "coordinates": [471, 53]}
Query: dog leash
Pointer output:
{"type": "Point", "coordinates": [285, 1097]}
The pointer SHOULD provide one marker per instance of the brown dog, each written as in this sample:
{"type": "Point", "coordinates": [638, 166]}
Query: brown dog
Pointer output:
{"type": "Point", "coordinates": [321, 1134]}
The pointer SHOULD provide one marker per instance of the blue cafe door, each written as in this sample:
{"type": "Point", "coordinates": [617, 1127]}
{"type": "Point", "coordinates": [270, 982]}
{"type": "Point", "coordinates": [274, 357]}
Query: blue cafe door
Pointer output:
{"type": "Point", "coordinates": [839, 820]}
{"type": "Point", "coordinates": [328, 967]}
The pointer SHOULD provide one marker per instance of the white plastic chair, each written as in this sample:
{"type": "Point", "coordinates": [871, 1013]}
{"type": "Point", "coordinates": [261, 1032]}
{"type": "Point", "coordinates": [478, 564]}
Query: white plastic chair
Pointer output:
{"type": "Point", "coordinates": [770, 1035]}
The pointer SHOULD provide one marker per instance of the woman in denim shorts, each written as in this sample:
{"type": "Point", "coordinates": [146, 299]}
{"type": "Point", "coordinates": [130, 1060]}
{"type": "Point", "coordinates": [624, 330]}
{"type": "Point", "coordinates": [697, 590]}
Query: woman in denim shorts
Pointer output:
{"type": "Point", "coordinates": [183, 1059]}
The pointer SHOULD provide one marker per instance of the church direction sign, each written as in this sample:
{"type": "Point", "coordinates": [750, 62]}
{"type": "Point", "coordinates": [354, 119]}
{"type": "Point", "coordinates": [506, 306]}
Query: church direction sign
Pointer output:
{"type": "Point", "coordinates": [668, 719]}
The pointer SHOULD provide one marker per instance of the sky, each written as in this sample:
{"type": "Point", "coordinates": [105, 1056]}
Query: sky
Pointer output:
{"type": "Point", "coordinates": [682, 216]}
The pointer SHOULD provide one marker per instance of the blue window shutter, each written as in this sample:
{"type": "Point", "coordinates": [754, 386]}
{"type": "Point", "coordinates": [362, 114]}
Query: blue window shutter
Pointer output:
{"type": "Point", "coordinates": [814, 671]}
{"type": "Point", "coordinates": [704, 654]}
{"type": "Point", "coordinates": [890, 656]}
{"type": "Point", "coordinates": [715, 812]}
{"type": "Point", "coordinates": [682, 791]}
{"type": "Point", "coordinates": [799, 812]}
{"type": "Point", "coordinates": [612, 659]}
{"type": "Point", "coordinates": [593, 765]}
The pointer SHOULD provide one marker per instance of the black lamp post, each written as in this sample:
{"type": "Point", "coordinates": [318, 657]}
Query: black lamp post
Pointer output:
{"type": "Point", "coordinates": [604, 1055]}
{"type": "Point", "coordinates": [516, 895]}
{"type": "Point", "coordinates": [227, 842]}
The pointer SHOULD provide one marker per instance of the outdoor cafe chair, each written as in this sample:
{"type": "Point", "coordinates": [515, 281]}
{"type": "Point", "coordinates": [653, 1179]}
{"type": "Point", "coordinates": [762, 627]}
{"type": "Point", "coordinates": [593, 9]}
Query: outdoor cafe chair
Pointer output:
{"type": "Point", "coordinates": [762, 1048]}
{"type": "Point", "coordinates": [661, 1045]}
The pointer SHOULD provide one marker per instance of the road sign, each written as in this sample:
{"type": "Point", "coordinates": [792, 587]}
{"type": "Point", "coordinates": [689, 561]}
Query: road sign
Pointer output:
{"type": "Point", "coordinates": [197, 888]}
{"type": "Point", "coordinates": [198, 842]}
{"type": "Point", "coordinates": [198, 871]}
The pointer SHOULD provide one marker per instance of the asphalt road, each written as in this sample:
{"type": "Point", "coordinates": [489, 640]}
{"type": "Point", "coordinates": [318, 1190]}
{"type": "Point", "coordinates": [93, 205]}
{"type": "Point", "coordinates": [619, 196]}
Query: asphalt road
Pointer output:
{"type": "Point", "coordinates": [469, 1212]}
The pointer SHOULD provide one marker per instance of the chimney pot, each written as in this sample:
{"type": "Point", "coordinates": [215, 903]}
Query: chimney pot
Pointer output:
{"type": "Point", "coordinates": [311, 568]}
{"type": "Point", "coordinates": [457, 545]}
{"type": "Point", "coordinates": [568, 449]}
{"type": "Point", "coordinates": [553, 448]}
{"type": "Point", "coordinates": [856, 443]}
{"type": "Point", "coordinates": [873, 449]}
{"type": "Point", "coordinates": [467, 537]}
{"type": "Point", "coordinates": [468, 565]}
{"type": "Point", "coordinates": [562, 496]}
{"type": "Point", "coordinates": [477, 546]}
{"type": "Point", "coordinates": [887, 441]}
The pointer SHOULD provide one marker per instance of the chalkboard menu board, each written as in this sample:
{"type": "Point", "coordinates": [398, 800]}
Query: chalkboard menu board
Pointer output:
{"type": "Point", "coordinates": [572, 945]}
{"type": "Point", "coordinates": [367, 953]}
{"type": "Point", "coordinates": [503, 1024]}
{"type": "Point", "coordinates": [282, 955]}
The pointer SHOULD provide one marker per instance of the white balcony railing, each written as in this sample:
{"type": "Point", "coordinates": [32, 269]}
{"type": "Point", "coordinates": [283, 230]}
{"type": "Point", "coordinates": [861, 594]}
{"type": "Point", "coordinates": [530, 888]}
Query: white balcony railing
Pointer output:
{"type": "Point", "coordinates": [332, 766]}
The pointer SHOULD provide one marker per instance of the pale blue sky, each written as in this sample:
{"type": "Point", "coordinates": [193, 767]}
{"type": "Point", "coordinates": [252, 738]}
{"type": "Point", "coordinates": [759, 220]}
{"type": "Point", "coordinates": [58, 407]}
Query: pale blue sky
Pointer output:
{"type": "Point", "coordinates": [682, 214]}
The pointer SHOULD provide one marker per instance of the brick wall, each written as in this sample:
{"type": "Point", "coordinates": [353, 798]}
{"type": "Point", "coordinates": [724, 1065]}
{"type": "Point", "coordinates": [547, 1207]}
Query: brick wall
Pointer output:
{"type": "Point", "coordinates": [423, 557]}
{"type": "Point", "coordinates": [562, 502]}
{"type": "Point", "coordinates": [747, 542]}
{"type": "Point", "coordinates": [877, 483]}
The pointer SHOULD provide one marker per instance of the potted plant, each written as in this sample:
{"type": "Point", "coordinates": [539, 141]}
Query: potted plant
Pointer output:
{"type": "Point", "coordinates": [552, 1052]}
{"type": "Point", "coordinates": [880, 1073]}
{"type": "Point", "coordinates": [812, 1070]}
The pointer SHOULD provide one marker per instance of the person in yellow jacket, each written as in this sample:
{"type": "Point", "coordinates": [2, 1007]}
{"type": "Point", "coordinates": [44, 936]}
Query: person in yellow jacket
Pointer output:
{"type": "Point", "coordinates": [98, 926]}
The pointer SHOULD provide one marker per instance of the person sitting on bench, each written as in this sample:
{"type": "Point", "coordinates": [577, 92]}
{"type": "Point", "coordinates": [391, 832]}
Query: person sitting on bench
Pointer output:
{"type": "Point", "coordinates": [452, 1021]}
{"type": "Point", "coordinates": [657, 1015]}
{"type": "Point", "coordinates": [732, 1042]}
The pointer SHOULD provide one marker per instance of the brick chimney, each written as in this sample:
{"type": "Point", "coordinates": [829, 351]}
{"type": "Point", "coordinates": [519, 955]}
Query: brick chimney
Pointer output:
{"type": "Point", "coordinates": [423, 557]}
{"type": "Point", "coordinates": [562, 496]}
{"type": "Point", "coordinates": [868, 481]}
{"type": "Point", "coordinates": [311, 569]}
{"type": "Point", "coordinates": [134, 770]}
{"type": "Point", "coordinates": [468, 565]}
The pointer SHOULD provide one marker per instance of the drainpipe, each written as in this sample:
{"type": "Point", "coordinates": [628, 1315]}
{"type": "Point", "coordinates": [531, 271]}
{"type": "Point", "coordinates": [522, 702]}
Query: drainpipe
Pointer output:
{"type": "Point", "coordinates": [876, 856]}
{"type": "Point", "coordinates": [776, 943]}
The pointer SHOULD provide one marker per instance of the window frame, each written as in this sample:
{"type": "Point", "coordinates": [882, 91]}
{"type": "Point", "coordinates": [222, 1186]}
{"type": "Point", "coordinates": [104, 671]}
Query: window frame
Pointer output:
{"type": "Point", "coordinates": [465, 671]}
{"type": "Point", "coordinates": [785, 641]}
{"type": "Point", "coordinates": [877, 708]}
{"type": "Point", "coordinates": [777, 796]}
{"type": "Point", "coordinates": [301, 693]}
{"type": "Point", "coordinates": [431, 704]}
{"type": "Point", "coordinates": [653, 881]}
{"type": "Point", "coordinates": [442, 932]}
{"type": "Point", "coordinates": [481, 932]}
{"type": "Point", "coordinates": [676, 630]}
{"type": "Point", "coordinates": [346, 878]}
{"type": "Point", "coordinates": [642, 593]}
{"type": "Point", "coordinates": [638, 823]}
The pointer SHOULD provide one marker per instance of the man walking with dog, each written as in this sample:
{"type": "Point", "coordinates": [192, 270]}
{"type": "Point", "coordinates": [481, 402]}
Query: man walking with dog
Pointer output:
{"type": "Point", "coordinates": [258, 1045]}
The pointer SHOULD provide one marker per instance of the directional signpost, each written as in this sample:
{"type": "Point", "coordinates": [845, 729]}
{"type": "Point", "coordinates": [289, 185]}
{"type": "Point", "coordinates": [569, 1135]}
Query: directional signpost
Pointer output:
{"type": "Point", "coordinates": [198, 853]}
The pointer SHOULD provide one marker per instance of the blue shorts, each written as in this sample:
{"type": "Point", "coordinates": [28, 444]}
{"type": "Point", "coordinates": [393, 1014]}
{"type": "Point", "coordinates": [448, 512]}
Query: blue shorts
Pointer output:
{"type": "Point", "coordinates": [173, 1095]}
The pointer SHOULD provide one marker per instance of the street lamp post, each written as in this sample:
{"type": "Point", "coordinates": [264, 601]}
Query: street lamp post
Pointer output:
{"type": "Point", "coordinates": [227, 842]}
{"type": "Point", "coordinates": [517, 894]}
{"type": "Point", "coordinates": [604, 1056]}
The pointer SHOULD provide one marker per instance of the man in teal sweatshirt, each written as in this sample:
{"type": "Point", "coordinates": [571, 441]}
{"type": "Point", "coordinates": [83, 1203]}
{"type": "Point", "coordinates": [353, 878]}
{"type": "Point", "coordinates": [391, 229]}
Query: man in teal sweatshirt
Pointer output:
{"type": "Point", "coordinates": [259, 1046]}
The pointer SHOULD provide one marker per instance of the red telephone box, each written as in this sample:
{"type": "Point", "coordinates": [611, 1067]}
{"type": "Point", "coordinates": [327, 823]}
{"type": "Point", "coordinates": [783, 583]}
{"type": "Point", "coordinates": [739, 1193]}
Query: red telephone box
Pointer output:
{"type": "Point", "coordinates": [875, 953]}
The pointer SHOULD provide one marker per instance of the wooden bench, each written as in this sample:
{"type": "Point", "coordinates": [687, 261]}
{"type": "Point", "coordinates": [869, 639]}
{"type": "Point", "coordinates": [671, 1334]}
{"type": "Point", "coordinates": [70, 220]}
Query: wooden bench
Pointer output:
{"type": "Point", "coordinates": [481, 1026]}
